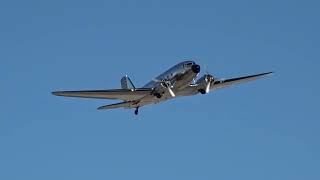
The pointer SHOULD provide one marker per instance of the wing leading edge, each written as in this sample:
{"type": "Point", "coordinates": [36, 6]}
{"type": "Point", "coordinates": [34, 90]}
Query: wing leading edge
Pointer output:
{"type": "Point", "coordinates": [122, 94]}
{"type": "Point", "coordinates": [233, 81]}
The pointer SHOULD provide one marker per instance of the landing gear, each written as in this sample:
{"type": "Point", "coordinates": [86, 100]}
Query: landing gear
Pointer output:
{"type": "Point", "coordinates": [202, 91]}
{"type": "Point", "coordinates": [136, 112]}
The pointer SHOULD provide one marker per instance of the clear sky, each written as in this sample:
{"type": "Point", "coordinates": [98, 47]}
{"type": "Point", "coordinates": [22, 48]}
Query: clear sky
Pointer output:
{"type": "Point", "coordinates": [268, 129]}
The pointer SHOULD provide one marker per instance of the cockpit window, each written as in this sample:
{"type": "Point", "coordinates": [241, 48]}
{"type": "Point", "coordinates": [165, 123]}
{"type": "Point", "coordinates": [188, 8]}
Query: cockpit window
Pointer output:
{"type": "Point", "coordinates": [189, 64]}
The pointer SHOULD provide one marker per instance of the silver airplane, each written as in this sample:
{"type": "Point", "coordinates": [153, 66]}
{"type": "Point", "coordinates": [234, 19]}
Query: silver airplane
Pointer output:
{"type": "Point", "coordinates": [180, 80]}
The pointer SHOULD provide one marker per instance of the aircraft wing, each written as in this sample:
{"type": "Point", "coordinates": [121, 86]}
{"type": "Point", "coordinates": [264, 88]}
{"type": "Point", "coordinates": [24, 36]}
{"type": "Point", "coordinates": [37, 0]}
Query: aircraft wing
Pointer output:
{"type": "Point", "coordinates": [122, 94]}
{"type": "Point", "coordinates": [229, 82]}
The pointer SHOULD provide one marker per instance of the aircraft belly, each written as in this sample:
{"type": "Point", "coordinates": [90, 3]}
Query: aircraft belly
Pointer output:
{"type": "Point", "coordinates": [188, 91]}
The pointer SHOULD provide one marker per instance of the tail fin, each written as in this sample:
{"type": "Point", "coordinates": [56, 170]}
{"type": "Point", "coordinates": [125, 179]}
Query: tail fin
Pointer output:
{"type": "Point", "coordinates": [126, 83]}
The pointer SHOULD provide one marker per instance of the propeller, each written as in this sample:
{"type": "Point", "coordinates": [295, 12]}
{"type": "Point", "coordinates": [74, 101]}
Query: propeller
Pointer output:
{"type": "Point", "coordinates": [209, 79]}
{"type": "Point", "coordinates": [171, 92]}
{"type": "Point", "coordinates": [167, 84]}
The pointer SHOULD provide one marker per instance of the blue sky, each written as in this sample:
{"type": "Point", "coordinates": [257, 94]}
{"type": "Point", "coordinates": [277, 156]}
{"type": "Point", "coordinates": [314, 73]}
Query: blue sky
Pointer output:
{"type": "Point", "coordinates": [268, 129]}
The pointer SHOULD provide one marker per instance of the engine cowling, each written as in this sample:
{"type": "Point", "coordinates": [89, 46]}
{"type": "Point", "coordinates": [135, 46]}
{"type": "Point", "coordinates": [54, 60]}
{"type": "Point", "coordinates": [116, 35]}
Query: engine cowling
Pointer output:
{"type": "Point", "coordinates": [204, 83]}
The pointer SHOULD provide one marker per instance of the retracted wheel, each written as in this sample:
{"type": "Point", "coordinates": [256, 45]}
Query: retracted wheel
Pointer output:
{"type": "Point", "coordinates": [202, 91]}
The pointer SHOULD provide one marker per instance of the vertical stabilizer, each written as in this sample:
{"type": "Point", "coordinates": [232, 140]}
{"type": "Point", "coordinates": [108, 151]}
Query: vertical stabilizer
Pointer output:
{"type": "Point", "coordinates": [126, 83]}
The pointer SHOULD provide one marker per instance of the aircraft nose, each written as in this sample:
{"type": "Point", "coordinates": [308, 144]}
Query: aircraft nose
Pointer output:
{"type": "Point", "coordinates": [196, 68]}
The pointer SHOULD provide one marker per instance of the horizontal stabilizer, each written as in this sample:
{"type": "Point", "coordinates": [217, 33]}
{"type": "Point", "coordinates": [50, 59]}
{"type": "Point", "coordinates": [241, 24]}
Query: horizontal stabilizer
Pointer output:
{"type": "Point", "coordinates": [129, 104]}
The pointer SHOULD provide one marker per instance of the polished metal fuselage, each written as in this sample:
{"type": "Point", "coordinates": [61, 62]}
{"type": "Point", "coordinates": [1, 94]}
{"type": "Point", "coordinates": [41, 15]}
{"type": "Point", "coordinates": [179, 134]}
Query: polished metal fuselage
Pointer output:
{"type": "Point", "coordinates": [181, 76]}
{"type": "Point", "coordinates": [177, 81]}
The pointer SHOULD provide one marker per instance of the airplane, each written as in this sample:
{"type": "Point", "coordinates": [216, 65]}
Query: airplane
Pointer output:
{"type": "Point", "coordinates": [180, 80]}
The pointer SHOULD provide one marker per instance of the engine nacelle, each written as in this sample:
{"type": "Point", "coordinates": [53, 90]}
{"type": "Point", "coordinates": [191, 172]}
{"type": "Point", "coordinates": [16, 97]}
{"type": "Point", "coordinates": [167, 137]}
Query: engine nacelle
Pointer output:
{"type": "Point", "coordinates": [203, 83]}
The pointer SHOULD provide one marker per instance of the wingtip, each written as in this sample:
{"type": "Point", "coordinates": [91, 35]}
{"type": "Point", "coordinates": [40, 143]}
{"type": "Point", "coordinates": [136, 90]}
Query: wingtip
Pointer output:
{"type": "Point", "coordinates": [100, 108]}
{"type": "Point", "coordinates": [57, 93]}
{"type": "Point", "coordinates": [271, 72]}
{"type": "Point", "coordinates": [267, 73]}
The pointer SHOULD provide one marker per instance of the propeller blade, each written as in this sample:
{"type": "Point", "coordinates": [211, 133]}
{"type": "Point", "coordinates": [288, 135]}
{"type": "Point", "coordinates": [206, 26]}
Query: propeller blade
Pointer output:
{"type": "Point", "coordinates": [171, 92]}
{"type": "Point", "coordinates": [209, 79]}
{"type": "Point", "coordinates": [206, 69]}
{"type": "Point", "coordinates": [208, 87]}
{"type": "Point", "coordinates": [166, 84]}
